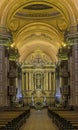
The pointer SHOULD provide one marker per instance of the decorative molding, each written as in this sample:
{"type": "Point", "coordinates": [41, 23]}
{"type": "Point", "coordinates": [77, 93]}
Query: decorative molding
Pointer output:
{"type": "Point", "coordinates": [13, 25]}
{"type": "Point", "coordinates": [71, 33]}
{"type": "Point", "coordinates": [5, 33]}
{"type": "Point", "coordinates": [38, 59]}
{"type": "Point", "coordinates": [37, 7]}
{"type": "Point", "coordinates": [38, 15]}
{"type": "Point", "coordinates": [5, 36]}
{"type": "Point", "coordinates": [61, 24]}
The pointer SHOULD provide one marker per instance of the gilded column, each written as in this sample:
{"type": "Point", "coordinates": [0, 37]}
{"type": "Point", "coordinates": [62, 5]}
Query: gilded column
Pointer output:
{"type": "Point", "coordinates": [24, 76]}
{"type": "Point", "coordinates": [46, 80]}
{"type": "Point", "coordinates": [53, 85]}
{"type": "Point", "coordinates": [50, 81]}
{"type": "Point", "coordinates": [43, 81]}
{"type": "Point", "coordinates": [35, 82]}
{"type": "Point", "coordinates": [54, 89]}
{"type": "Point", "coordinates": [30, 80]}
{"type": "Point", "coordinates": [27, 81]}
{"type": "Point", "coordinates": [22, 81]}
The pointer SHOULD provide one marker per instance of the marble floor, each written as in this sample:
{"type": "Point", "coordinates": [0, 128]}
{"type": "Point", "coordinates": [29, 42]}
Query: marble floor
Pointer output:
{"type": "Point", "coordinates": [39, 120]}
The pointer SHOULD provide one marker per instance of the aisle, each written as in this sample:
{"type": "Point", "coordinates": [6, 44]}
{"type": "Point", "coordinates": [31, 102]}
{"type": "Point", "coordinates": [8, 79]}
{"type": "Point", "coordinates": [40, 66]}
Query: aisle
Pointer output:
{"type": "Point", "coordinates": [39, 120]}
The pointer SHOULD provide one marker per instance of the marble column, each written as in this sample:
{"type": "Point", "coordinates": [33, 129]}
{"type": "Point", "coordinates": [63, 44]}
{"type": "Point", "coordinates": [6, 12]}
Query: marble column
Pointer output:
{"type": "Point", "coordinates": [5, 38]}
{"type": "Point", "coordinates": [57, 89]}
{"type": "Point", "coordinates": [19, 90]}
{"type": "Point", "coordinates": [75, 72]}
{"type": "Point", "coordinates": [72, 36]}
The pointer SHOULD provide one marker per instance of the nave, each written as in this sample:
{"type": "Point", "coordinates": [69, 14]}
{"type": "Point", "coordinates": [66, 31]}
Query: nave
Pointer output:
{"type": "Point", "coordinates": [39, 120]}
{"type": "Point", "coordinates": [38, 64]}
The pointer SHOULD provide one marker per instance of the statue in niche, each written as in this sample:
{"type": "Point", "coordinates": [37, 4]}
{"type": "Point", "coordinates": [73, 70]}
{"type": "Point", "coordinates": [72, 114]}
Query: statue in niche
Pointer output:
{"type": "Point", "coordinates": [32, 100]}
{"type": "Point", "coordinates": [44, 100]}
{"type": "Point", "coordinates": [38, 81]}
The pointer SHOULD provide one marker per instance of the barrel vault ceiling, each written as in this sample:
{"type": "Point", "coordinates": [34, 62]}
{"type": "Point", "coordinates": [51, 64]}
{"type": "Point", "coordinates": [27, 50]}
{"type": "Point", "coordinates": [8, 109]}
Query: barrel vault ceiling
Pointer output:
{"type": "Point", "coordinates": [38, 24]}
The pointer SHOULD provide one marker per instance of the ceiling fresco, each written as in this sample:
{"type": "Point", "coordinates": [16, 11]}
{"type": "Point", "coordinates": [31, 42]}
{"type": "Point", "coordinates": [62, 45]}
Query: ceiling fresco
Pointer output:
{"type": "Point", "coordinates": [38, 24]}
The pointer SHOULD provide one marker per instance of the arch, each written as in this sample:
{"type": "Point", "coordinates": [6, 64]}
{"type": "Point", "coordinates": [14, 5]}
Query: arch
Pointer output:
{"type": "Point", "coordinates": [49, 50]}
{"type": "Point", "coordinates": [12, 7]}
{"type": "Point", "coordinates": [37, 29]}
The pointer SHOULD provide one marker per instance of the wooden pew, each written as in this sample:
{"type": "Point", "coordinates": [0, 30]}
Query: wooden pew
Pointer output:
{"type": "Point", "coordinates": [12, 119]}
{"type": "Point", "coordinates": [64, 119]}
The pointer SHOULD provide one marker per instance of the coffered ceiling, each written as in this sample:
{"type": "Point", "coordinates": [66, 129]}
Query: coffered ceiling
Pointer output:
{"type": "Point", "coordinates": [38, 24]}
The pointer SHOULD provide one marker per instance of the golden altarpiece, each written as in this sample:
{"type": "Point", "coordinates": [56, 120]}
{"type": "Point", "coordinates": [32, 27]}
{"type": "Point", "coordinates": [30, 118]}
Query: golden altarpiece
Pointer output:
{"type": "Point", "coordinates": [38, 76]}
